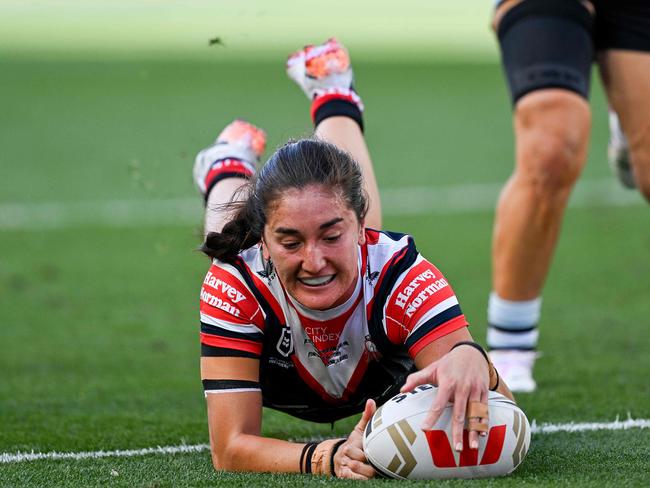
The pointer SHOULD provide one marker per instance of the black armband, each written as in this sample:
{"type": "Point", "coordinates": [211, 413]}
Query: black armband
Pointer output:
{"type": "Point", "coordinates": [230, 386]}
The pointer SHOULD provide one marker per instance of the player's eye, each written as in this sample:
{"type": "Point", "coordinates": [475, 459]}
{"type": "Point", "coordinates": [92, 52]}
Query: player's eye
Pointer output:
{"type": "Point", "coordinates": [290, 246]}
{"type": "Point", "coordinates": [333, 238]}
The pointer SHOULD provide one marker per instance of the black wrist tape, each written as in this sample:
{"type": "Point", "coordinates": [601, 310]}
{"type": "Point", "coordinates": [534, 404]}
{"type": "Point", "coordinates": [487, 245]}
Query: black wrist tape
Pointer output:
{"type": "Point", "coordinates": [334, 449]}
{"type": "Point", "coordinates": [305, 448]}
{"type": "Point", "coordinates": [309, 453]}
{"type": "Point", "coordinates": [474, 345]}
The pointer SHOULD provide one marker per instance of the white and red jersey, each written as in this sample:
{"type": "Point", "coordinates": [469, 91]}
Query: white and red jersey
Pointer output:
{"type": "Point", "coordinates": [322, 365]}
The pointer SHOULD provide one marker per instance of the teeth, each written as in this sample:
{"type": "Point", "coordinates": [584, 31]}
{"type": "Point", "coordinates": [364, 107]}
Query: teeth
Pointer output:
{"type": "Point", "coordinates": [317, 281]}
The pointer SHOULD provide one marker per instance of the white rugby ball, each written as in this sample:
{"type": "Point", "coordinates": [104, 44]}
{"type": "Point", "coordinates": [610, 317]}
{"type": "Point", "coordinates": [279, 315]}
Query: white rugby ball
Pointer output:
{"type": "Point", "coordinates": [397, 447]}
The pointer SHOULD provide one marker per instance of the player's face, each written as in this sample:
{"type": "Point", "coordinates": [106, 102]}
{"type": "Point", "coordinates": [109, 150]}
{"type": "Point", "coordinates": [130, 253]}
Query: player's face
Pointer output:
{"type": "Point", "coordinates": [312, 237]}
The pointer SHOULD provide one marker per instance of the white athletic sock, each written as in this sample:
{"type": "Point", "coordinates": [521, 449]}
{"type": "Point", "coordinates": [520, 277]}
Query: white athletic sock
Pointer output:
{"type": "Point", "coordinates": [512, 324]}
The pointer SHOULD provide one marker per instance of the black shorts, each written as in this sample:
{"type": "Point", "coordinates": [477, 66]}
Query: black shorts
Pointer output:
{"type": "Point", "coordinates": [622, 24]}
{"type": "Point", "coordinates": [552, 43]}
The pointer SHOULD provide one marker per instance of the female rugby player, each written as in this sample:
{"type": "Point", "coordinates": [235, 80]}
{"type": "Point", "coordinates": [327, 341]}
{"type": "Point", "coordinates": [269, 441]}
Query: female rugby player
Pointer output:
{"type": "Point", "coordinates": [308, 308]}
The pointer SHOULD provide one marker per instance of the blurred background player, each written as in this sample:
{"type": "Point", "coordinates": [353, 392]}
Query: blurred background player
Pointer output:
{"type": "Point", "coordinates": [547, 49]}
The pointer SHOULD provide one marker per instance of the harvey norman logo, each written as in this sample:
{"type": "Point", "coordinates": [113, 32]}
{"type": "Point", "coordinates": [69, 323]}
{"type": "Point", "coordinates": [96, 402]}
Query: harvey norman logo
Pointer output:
{"type": "Point", "coordinates": [228, 290]}
{"type": "Point", "coordinates": [217, 302]}
{"type": "Point", "coordinates": [404, 296]}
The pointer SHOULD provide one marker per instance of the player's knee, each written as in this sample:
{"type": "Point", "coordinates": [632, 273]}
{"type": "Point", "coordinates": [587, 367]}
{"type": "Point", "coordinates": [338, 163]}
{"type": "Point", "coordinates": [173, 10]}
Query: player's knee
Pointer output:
{"type": "Point", "coordinates": [552, 128]}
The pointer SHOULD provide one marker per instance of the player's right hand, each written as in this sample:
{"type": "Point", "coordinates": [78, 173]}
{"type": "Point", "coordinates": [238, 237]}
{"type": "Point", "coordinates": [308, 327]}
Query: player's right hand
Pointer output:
{"type": "Point", "coordinates": [462, 378]}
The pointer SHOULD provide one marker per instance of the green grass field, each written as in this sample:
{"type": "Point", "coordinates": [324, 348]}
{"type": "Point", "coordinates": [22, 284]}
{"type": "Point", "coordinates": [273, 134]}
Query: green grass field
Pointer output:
{"type": "Point", "coordinates": [98, 315]}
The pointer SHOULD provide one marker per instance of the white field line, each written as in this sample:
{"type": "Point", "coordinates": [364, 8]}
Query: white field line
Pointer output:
{"type": "Point", "coordinates": [53, 455]}
{"type": "Point", "coordinates": [541, 429]}
{"type": "Point", "coordinates": [416, 200]}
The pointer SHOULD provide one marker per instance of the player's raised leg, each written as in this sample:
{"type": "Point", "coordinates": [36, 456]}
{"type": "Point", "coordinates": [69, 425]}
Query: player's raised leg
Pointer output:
{"type": "Point", "coordinates": [549, 84]}
{"type": "Point", "coordinates": [325, 74]}
{"type": "Point", "coordinates": [626, 76]}
{"type": "Point", "coordinates": [221, 169]}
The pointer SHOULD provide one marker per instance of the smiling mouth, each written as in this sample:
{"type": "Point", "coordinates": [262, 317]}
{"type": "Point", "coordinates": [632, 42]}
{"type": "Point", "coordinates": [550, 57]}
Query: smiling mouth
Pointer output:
{"type": "Point", "coordinates": [319, 281]}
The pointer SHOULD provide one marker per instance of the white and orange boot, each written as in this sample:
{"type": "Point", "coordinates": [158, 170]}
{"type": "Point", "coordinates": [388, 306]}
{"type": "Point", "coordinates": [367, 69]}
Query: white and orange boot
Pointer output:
{"type": "Point", "coordinates": [324, 73]}
{"type": "Point", "coordinates": [235, 152]}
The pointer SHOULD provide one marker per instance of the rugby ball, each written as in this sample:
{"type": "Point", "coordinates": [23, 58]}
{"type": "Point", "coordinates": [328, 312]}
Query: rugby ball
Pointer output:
{"type": "Point", "coordinates": [397, 447]}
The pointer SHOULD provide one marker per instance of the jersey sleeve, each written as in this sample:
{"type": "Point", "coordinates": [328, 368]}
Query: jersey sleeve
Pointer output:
{"type": "Point", "coordinates": [421, 308]}
{"type": "Point", "coordinates": [232, 322]}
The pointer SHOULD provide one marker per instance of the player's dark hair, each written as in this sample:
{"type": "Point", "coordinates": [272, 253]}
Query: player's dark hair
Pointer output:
{"type": "Point", "coordinates": [297, 164]}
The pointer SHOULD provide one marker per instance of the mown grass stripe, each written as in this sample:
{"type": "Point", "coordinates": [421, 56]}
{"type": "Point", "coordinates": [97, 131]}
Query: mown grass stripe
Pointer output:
{"type": "Point", "coordinates": [417, 200]}
{"type": "Point", "coordinates": [545, 428]}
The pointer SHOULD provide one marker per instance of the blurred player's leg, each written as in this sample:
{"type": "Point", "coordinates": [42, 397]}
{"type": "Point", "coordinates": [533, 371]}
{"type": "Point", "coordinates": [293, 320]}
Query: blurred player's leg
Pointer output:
{"type": "Point", "coordinates": [221, 169]}
{"type": "Point", "coordinates": [618, 152]}
{"type": "Point", "coordinates": [626, 75]}
{"type": "Point", "coordinates": [551, 130]}
{"type": "Point", "coordinates": [325, 74]}
{"type": "Point", "coordinates": [549, 83]}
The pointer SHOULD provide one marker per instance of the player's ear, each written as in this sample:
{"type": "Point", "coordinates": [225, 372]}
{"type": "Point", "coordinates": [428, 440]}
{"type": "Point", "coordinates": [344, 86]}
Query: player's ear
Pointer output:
{"type": "Point", "coordinates": [362, 233]}
{"type": "Point", "coordinates": [265, 250]}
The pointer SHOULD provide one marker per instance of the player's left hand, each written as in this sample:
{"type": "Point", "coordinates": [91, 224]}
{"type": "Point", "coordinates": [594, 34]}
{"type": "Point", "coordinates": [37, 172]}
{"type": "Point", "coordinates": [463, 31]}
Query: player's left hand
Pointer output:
{"type": "Point", "coordinates": [350, 460]}
{"type": "Point", "coordinates": [462, 378]}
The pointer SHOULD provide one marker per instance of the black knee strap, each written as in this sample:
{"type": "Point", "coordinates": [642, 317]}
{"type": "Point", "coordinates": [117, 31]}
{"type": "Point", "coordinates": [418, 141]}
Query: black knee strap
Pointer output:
{"type": "Point", "coordinates": [547, 44]}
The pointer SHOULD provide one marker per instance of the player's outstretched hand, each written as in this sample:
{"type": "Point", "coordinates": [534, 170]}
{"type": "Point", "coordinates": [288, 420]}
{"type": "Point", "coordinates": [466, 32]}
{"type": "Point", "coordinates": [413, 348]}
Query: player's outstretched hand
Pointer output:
{"type": "Point", "coordinates": [350, 460]}
{"type": "Point", "coordinates": [462, 378]}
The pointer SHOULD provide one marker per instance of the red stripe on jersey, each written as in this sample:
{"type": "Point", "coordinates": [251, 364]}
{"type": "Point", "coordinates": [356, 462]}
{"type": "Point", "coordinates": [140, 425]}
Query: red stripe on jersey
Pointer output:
{"type": "Point", "coordinates": [372, 237]}
{"type": "Point", "coordinates": [440, 331]}
{"type": "Point", "coordinates": [356, 377]}
{"type": "Point", "coordinates": [427, 305]}
{"type": "Point", "coordinates": [231, 343]}
{"type": "Point", "coordinates": [216, 312]}
{"type": "Point", "coordinates": [364, 260]}
{"type": "Point", "coordinates": [311, 381]}
{"type": "Point", "coordinates": [224, 296]}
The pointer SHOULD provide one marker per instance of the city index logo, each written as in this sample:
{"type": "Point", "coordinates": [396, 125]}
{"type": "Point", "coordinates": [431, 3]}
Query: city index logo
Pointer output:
{"type": "Point", "coordinates": [230, 291]}
{"type": "Point", "coordinates": [443, 456]}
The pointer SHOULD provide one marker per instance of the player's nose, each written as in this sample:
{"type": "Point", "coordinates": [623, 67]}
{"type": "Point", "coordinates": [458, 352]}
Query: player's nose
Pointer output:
{"type": "Point", "coordinates": [313, 259]}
